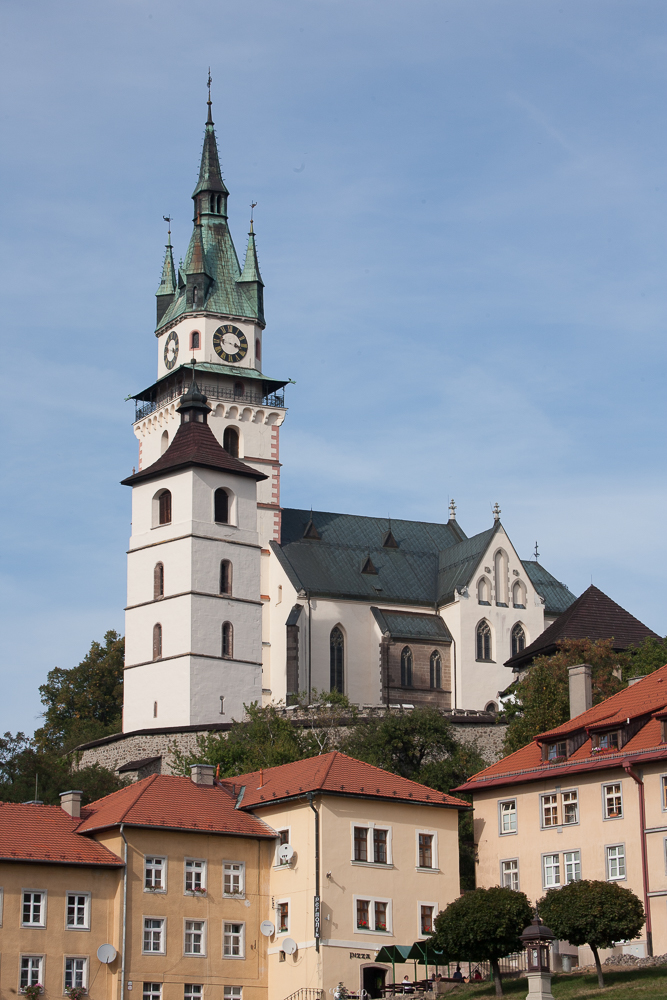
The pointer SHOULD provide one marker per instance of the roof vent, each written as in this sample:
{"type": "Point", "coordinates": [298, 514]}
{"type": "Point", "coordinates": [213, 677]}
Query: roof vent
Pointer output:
{"type": "Point", "coordinates": [368, 567]}
{"type": "Point", "coordinates": [311, 531]}
{"type": "Point", "coordinates": [388, 540]}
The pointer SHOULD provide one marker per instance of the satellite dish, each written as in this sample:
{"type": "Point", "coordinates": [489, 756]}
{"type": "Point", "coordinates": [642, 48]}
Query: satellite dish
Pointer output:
{"type": "Point", "coordinates": [285, 853]}
{"type": "Point", "coordinates": [267, 927]}
{"type": "Point", "coordinates": [106, 953]}
{"type": "Point", "coordinates": [289, 945]}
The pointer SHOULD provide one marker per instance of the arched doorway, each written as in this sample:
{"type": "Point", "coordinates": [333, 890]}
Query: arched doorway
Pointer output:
{"type": "Point", "coordinates": [373, 979]}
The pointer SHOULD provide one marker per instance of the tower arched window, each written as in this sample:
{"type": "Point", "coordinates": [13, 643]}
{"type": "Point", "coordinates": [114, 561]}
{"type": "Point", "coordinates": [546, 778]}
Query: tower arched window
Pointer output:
{"type": "Point", "coordinates": [225, 577]}
{"type": "Point", "coordinates": [164, 442]}
{"type": "Point", "coordinates": [195, 295]}
{"type": "Point", "coordinates": [483, 641]}
{"type": "Point", "coordinates": [406, 667]}
{"type": "Point", "coordinates": [518, 639]}
{"type": "Point", "coordinates": [336, 660]}
{"type": "Point", "coordinates": [436, 669]}
{"type": "Point", "coordinates": [227, 640]}
{"type": "Point", "coordinates": [164, 502]}
{"type": "Point", "coordinates": [213, 203]}
{"type": "Point", "coordinates": [194, 340]}
{"type": "Point", "coordinates": [230, 441]}
{"type": "Point", "coordinates": [518, 594]}
{"type": "Point", "coordinates": [158, 580]}
{"type": "Point", "coordinates": [221, 506]}
{"type": "Point", "coordinates": [483, 591]}
{"type": "Point", "coordinates": [219, 209]}
{"type": "Point", "coordinates": [500, 572]}
{"type": "Point", "coordinates": [157, 642]}
{"type": "Point", "coordinates": [258, 351]}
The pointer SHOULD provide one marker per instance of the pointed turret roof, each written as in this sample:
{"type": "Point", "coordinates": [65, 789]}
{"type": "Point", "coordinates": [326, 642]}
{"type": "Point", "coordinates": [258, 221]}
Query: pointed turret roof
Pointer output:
{"type": "Point", "coordinates": [210, 175]}
{"type": "Point", "coordinates": [167, 284]}
{"type": "Point", "coordinates": [251, 265]}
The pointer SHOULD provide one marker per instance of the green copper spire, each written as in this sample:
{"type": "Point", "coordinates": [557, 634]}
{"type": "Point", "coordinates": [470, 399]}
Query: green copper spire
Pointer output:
{"type": "Point", "coordinates": [251, 279]}
{"type": "Point", "coordinates": [210, 195]}
{"type": "Point", "coordinates": [167, 286]}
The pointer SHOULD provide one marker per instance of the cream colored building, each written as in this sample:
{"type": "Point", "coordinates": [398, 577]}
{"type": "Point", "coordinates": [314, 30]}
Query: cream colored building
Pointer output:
{"type": "Point", "coordinates": [587, 800]}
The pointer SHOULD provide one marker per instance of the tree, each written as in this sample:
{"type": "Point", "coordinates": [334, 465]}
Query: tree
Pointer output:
{"type": "Point", "coordinates": [648, 656]}
{"type": "Point", "coordinates": [541, 700]}
{"type": "Point", "coordinates": [483, 926]}
{"type": "Point", "coordinates": [594, 913]}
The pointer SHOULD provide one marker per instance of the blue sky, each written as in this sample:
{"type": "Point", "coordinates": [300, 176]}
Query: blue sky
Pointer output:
{"type": "Point", "coordinates": [461, 227]}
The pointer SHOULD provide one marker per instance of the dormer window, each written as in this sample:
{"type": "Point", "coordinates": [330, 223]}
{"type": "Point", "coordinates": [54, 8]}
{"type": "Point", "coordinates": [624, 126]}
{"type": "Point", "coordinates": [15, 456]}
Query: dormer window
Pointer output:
{"type": "Point", "coordinates": [607, 741]}
{"type": "Point", "coordinates": [556, 750]}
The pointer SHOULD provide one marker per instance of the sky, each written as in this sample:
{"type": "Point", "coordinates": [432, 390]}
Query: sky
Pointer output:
{"type": "Point", "coordinates": [460, 221]}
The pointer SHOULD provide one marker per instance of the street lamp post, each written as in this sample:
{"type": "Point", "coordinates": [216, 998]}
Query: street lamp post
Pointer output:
{"type": "Point", "coordinates": [537, 939]}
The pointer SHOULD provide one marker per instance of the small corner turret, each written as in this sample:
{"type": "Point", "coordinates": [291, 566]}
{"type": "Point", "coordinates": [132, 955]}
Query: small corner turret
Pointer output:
{"type": "Point", "coordinates": [167, 286]}
{"type": "Point", "coordinates": [251, 280]}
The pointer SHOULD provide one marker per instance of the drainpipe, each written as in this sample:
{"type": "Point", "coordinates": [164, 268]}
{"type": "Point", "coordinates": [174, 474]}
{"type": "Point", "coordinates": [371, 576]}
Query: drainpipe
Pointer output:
{"type": "Point", "coordinates": [124, 933]}
{"type": "Point", "coordinates": [627, 767]}
{"type": "Point", "coordinates": [310, 621]}
{"type": "Point", "coordinates": [309, 796]}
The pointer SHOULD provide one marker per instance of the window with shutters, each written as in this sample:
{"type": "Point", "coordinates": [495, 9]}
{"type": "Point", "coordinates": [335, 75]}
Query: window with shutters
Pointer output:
{"type": "Point", "coordinates": [157, 641]}
{"type": "Point", "coordinates": [406, 667]}
{"type": "Point", "coordinates": [227, 640]}
{"type": "Point", "coordinates": [225, 577]}
{"type": "Point", "coordinates": [230, 442]}
{"type": "Point", "coordinates": [158, 581]}
{"type": "Point", "coordinates": [336, 660]}
{"type": "Point", "coordinates": [221, 506]}
{"type": "Point", "coordinates": [164, 502]}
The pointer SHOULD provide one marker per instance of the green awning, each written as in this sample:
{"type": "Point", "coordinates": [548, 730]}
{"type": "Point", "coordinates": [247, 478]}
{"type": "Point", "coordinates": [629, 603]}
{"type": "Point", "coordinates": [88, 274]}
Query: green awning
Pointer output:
{"type": "Point", "coordinates": [393, 953]}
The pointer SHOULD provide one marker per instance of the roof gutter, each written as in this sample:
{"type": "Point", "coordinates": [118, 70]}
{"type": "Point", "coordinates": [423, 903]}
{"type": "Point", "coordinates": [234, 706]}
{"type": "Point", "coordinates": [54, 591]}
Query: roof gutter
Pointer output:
{"type": "Point", "coordinates": [465, 807]}
{"type": "Point", "coordinates": [627, 767]}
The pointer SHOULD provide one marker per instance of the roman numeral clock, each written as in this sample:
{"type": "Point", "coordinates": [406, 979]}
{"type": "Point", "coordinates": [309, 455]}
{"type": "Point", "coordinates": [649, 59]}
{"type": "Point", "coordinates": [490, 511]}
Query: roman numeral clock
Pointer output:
{"type": "Point", "coordinates": [230, 343]}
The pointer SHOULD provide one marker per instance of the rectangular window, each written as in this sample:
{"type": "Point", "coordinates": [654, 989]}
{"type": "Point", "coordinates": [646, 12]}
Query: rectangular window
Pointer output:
{"type": "Point", "coordinates": [234, 878]}
{"type": "Point", "coordinates": [283, 838]}
{"type": "Point", "coordinates": [154, 873]}
{"type": "Point", "coordinates": [282, 913]}
{"type": "Point", "coordinates": [549, 810]}
{"type": "Point", "coordinates": [572, 865]}
{"type": "Point", "coordinates": [425, 850]}
{"type": "Point", "coordinates": [152, 991]}
{"type": "Point", "coordinates": [76, 973]}
{"type": "Point", "coordinates": [233, 943]}
{"type": "Point", "coordinates": [613, 803]}
{"type": "Point", "coordinates": [664, 791]}
{"type": "Point", "coordinates": [426, 920]}
{"type": "Point", "coordinates": [616, 862]}
{"type": "Point", "coordinates": [555, 750]}
{"type": "Point", "coordinates": [363, 914]}
{"type": "Point", "coordinates": [195, 876]}
{"type": "Point", "coordinates": [153, 934]}
{"type": "Point", "coordinates": [509, 871]}
{"type": "Point", "coordinates": [193, 991]}
{"type": "Point", "coordinates": [380, 847]}
{"type": "Point", "coordinates": [232, 992]}
{"type": "Point", "coordinates": [78, 908]}
{"type": "Point", "coordinates": [551, 870]}
{"type": "Point", "coordinates": [31, 970]}
{"type": "Point", "coordinates": [195, 937]}
{"type": "Point", "coordinates": [380, 916]}
{"type": "Point", "coordinates": [609, 741]}
{"type": "Point", "coordinates": [360, 843]}
{"type": "Point", "coordinates": [508, 816]}
{"type": "Point", "coordinates": [570, 807]}
{"type": "Point", "coordinates": [34, 909]}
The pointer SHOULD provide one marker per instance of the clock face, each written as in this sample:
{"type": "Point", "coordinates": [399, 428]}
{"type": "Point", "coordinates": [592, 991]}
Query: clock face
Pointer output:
{"type": "Point", "coordinates": [171, 350]}
{"type": "Point", "coordinates": [230, 343]}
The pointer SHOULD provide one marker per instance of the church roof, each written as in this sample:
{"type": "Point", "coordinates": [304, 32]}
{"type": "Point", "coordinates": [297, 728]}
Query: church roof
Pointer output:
{"type": "Point", "coordinates": [194, 444]}
{"type": "Point", "coordinates": [591, 616]}
{"type": "Point", "coordinates": [557, 597]}
{"type": "Point", "coordinates": [457, 564]}
{"type": "Point", "coordinates": [410, 625]}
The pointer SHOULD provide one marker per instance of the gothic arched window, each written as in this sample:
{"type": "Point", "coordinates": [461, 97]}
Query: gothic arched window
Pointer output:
{"type": "Point", "coordinates": [436, 669]}
{"type": "Point", "coordinates": [165, 507]}
{"type": "Point", "coordinates": [157, 642]}
{"type": "Point", "coordinates": [483, 641]}
{"type": "Point", "coordinates": [483, 591]}
{"type": "Point", "coordinates": [406, 667]}
{"type": "Point", "coordinates": [221, 506]}
{"type": "Point", "coordinates": [225, 577]}
{"type": "Point", "coordinates": [518, 639]}
{"type": "Point", "coordinates": [230, 441]}
{"type": "Point", "coordinates": [194, 340]}
{"type": "Point", "coordinates": [164, 442]}
{"type": "Point", "coordinates": [158, 580]}
{"type": "Point", "coordinates": [336, 661]}
{"type": "Point", "coordinates": [227, 640]}
{"type": "Point", "coordinates": [518, 595]}
{"type": "Point", "coordinates": [500, 572]}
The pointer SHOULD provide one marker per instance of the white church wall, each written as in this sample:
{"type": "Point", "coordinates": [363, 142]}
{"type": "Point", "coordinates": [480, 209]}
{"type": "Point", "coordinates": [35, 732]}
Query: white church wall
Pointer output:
{"type": "Point", "coordinates": [238, 684]}
{"type": "Point", "coordinates": [174, 617]}
{"type": "Point", "coordinates": [283, 597]}
{"type": "Point", "coordinates": [206, 326]}
{"type": "Point", "coordinates": [176, 560]}
{"type": "Point", "coordinates": [165, 682]}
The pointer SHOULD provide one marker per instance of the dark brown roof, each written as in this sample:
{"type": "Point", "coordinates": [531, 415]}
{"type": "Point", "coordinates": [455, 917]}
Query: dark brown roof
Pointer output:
{"type": "Point", "coordinates": [591, 616]}
{"type": "Point", "coordinates": [194, 444]}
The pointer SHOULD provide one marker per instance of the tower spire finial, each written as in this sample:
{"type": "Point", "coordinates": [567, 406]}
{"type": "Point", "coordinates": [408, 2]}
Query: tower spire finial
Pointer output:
{"type": "Point", "coordinates": [167, 219]}
{"type": "Point", "coordinates": [452, 510]}
{"type": "Point", "coordinates": [209, 120]}
{"type": "Point", "coordinates": [253, 206]}
{"type": "Point", "coordinates": [496, 511]}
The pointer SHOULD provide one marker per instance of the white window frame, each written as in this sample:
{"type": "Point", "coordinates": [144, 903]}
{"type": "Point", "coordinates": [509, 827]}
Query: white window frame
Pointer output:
{"type": "Point", "coordinates": [283, 829]}
{"type": "Point", "coordinates": [514, 812]}
{"type": "Point", "coordinates": [566, 880]}
{"type": "Point", "coordinates": [195, 991]}
{"type": "Point", "coordinates": [615, 878]}
{"type": "Point", "coordinates": [603, 788]}
{"type": "Point", "coordinates": [434, 850]}
{"type": "Point", "coordinates": [551, 854]}
{"type": "Point", "coordinates": [43, 894]}
{"type": "Point", "coordinates": [544, 805]}
{"type": "Point", "coordinates": [371, 826]}
{"type": "Point", "coordinates": [203, 872]}
{"type": "Point", "coordinates": [163, 934]}
{"type": "Point", "coordinates": [155, 991]}
{"type": "Point", "coordinates": [420, 903]}
{"type": "Point", "coordinates": [86, 913]}
{"type": "Point", "coordinates": [663, 791]}
{"type": "Point", "coordinates": [241, 876]}
{"type": "Point", "coordinates": [194, 920]}
{"type": "Point", "coordinates": [510, 861]}
{"type": "Point", "coordinates": [563, 803]}
{"type": "Point", "coordinates": [230, 923]}
{"type": "Point", "coordinates": [372, 900]}
{"type": "Point", "coordinates": [38, 958]}
{"type": "Point", "coordinates": [147, 868]}
{"type": "Point", "coordinates": [232, 992]}
{"type": "Point", "coordinates": [76, 958]}
{"type": "Point", "coordinates": [664, 843]}
{"type": "Point", "coordinates": [284, 900]}
{"type": "Point", "coordinates": [2, 904]}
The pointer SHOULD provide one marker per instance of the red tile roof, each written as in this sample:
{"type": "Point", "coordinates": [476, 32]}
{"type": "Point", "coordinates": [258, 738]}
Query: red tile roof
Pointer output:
{"type": "Point", "coordinates": [647, 698]}
{"type": "Point", "coordinates": [337, 774]}
{"type": "Point", "coordinates": [173, 803]}
{"type": "Point", "coordinates": [48, 833]}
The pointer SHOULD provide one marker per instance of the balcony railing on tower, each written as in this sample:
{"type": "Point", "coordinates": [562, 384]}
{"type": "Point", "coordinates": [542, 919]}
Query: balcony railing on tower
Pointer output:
{"type": "Point", "coordinates": [214, 391]}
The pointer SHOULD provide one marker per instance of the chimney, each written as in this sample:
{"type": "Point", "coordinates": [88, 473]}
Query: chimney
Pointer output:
{"type": "Point", "coordinates": [581, 689]}
{"type": "Point", "coordinates": [203, 774]}
{"type": "Point", "coordinates": [634, 680]}
{"type": "Point", "coordinates": [71, 803]}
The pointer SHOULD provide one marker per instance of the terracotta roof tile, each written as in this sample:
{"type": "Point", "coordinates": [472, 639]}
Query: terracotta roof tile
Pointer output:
{"type": "Point", "coordinates": [48, 833]}
{"type": "Point", "coordinates": [170, 802]}
{"type": "Point", "coordinates": [335, 773]}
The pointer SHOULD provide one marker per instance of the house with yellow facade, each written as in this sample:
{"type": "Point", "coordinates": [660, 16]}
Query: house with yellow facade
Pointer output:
{"type": "Point", "coordinates": [585, 800]}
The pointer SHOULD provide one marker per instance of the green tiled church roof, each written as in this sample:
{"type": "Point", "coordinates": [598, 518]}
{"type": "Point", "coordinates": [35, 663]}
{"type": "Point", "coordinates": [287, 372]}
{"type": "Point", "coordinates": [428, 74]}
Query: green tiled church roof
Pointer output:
{"type": "Point", "coordinates": [557, 597]}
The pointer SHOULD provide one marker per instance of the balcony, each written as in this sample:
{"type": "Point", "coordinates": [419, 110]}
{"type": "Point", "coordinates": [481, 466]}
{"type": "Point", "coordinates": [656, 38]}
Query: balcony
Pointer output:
{"type": "Point", "coordinates": [212, 391]}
